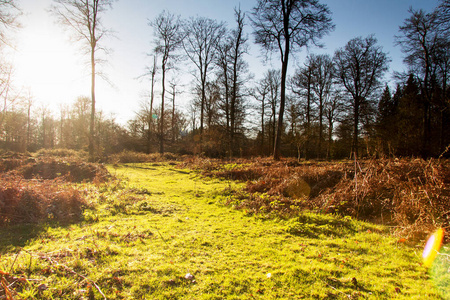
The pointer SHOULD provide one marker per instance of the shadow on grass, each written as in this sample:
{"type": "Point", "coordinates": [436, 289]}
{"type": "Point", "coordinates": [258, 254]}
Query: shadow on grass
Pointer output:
{"type": "Point", "coordinates": [17, 236]}
{"type": "Point", "coordinates": [314, 226]}
{"type": "Point", "coordinates": [139, 166]}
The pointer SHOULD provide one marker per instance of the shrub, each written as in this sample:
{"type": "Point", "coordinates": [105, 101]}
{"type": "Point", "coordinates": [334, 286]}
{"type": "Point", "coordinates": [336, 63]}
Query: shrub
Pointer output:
{"type": "Point", "coordinates": [412, 194]}
{"type": "Point", "coordinates": [62, 152]}
{"type": "Point", "coordinates": [74, 170]}
{"type": "Point", "coordinates": [24, 201]}
{"type": "Point", "coordinates": [139, 157]}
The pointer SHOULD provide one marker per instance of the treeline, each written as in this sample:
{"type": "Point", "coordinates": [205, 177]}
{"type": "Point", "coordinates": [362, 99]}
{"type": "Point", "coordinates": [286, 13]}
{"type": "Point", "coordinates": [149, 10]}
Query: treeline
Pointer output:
{"type": "Point", "coordinates": [331, 107]}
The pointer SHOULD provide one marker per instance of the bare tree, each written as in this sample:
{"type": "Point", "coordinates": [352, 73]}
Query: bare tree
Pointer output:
{"type": "Point", "coordinates": [443, 15]}
{"type": "Point", "coordinates": [9, 12]}
{"type": "Point", "coordinates": [173, 91]}
{"type": "Point", "coordinates": [224, 78]}
{"type": "Point", "coordinates": [360, 66]}
{"type": "Point", "coordinates": [260, 93]}
{"type": "Point", "coordinates": [271, 81]}
{"type": "Point", "coordinates": [323, 75]}
{"type": "Point", "coordinates": [287, 26]}
{"type": "Point", "coordinates": [239, 47]}
{"type": "Point", "coordinates": [82, 18]}
{"type": "Point", "coordinates": [167, 30]}
{"type": "Point", "coordinates": [302, 87]}
{"type": "Point", "coordinates": [202, 37]}
{"type": "Point", "coordinates": [425, 40]}
{"type": "Point", "coordinates": [5, 87]}
{"type": "Point", "coordinates": [332, 110]}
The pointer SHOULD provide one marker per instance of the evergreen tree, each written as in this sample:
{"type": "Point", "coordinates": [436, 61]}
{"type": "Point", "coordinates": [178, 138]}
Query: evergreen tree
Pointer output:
{"type": "Point", "coordinates": [387, 122]}
{"type": "Point", "coordinates": [410, 119]}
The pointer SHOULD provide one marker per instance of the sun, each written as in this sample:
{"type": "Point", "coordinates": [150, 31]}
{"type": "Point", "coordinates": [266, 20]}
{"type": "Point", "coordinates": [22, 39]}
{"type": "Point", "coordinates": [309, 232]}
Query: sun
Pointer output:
{"type": "Point", "coordinates": [47, 63]}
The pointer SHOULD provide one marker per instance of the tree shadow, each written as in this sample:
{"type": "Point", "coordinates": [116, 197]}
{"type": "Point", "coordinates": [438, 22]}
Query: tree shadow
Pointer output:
{"type": "Point", "coordinates": [314, 226]}
{"type": "Point", "coordinates": [17, 236]}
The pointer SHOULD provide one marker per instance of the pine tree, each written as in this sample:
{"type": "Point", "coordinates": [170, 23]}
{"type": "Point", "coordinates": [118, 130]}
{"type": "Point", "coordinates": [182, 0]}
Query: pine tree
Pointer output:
{"type": "Point", "coordinates": [410, 121]}
{"type": "Point", "coordinates": [387, 122]}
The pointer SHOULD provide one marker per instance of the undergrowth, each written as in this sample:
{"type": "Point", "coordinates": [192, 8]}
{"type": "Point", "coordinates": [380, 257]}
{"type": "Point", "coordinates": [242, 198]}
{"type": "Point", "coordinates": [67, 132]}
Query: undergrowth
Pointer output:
{"type": "Point", "coordinates": [36, 189]}
{"type": "Point", "coordinates": [23, 202]}
{"type": "Point", "coordinates": [139, 157]}
{"type": "Point", "coordinates": [411, 194]}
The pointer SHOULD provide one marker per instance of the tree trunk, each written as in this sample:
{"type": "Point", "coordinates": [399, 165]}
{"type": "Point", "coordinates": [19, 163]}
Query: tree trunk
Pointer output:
{"type": "Point", "coordinates": [92, 120]}
{"type": "Point", "coordinates": [262, 127]}
{"type": "Point", "coordinates": [320, 126]}
{"type": "Point", "coordinates": [173, 113]}
{"type": "Point", "coordinates": [355, 127]}
{"type": "Point", "coordinates": [330, 137]}
{"type": "Point", "coordinates": [150, 121]}
{"type": "Point", "coordinates": [161, 120]}
{"type": "Point", "coordinates": [277, 148]}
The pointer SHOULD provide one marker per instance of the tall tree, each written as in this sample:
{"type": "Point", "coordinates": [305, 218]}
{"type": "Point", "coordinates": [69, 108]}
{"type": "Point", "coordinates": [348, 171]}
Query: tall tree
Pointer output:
{"type": "Point", "coordinates": [147, 108]}
{"type": "Point", "coordinates": [387, 121]}
{"type": "Point", "coordinates": [238, 40]}
{"type": "Point", "coordinates": [202, 35]}
{"type": "Point", "coordinates": [360, 66]}
{"type": "Point", "coordinates": [167, 30]}
{"type": "Point", "coordinates": [272, 81]}
{"type": "Point", "coordinates": [312, 83]}
{"type": "Point", "coordinates": [301, 85]}
{"type": "Point", "coordinates": [333, 110]}
{"type": "Point", "coordinates": [9, 12]}
{"type": "Point", "coordinates": [410, 118]}
{"type": "Point", "coordinates": [419, 39]}
{"type": "Point", "coordinates": [323, 76]}
{"type": "Point", "coordinates": [6, 73]}
{"type": "Point", "coordinates": [443, 15]}
{"type": "Point", "coordinates": [260, 93]}
{"type": "Point", "coordinates": [83, 19]}
{"type": "Point", "coordinates": [173, 91]}
{"type": "Point", "coordinates": [224, 78]}
{"type": "Point", "coordinates": [287, 26]}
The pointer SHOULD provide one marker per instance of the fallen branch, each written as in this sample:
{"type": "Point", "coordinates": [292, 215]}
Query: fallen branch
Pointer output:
{"type": "Point", "coordinates": [55, 263]}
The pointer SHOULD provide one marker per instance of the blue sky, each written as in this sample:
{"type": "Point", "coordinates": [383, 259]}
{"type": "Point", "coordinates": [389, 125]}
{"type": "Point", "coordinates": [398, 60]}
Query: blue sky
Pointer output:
{"type": "Point", "coordinates": [52, 68]}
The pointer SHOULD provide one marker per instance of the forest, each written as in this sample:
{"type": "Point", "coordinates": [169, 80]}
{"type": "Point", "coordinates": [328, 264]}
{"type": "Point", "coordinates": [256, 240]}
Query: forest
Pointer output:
{"type": "Point", "coordinates": [331, 107]}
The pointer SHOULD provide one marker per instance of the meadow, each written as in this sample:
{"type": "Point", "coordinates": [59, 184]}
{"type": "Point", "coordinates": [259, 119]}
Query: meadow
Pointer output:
{"type": "Point", "coordinates": [165, 230]}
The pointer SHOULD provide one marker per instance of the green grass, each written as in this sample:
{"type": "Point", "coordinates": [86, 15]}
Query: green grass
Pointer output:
{"type": "Point", "coordinates": [145, 234]}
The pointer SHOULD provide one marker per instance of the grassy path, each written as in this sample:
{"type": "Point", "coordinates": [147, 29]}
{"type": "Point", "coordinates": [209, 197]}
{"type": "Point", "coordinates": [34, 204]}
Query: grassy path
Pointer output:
{"type": "Point", "coordinates": [168, 236]}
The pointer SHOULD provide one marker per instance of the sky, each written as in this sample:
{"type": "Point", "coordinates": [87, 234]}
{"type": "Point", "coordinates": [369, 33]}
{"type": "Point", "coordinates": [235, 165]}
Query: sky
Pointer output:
{"type": "Point", "coordinates": [53, 70]}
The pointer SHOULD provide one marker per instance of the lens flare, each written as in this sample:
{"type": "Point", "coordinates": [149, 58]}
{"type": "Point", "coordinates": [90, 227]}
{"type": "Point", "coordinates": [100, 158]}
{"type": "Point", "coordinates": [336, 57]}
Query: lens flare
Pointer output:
{"type": "Point", "coordinates": [432, 247]}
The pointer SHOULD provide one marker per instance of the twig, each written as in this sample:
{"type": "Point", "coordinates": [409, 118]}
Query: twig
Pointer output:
{"type": "Point", "coordinates": [51, 261]}
{"type": "Point", "coordinates": [29, 266]}
{"type": "Point", "coordinates": [445, 151]}
{"type": "Point", "coordinates": [12, 266]}
{"type": "Point", "coordinates": [161, 236]}
{"type": "Point", "coordinates": [348, 296]}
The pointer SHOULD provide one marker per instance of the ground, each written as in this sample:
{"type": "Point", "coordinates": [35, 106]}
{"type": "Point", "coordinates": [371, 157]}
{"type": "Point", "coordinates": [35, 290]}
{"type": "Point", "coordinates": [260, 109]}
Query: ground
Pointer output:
{"type": "Point", "coordinates": [165, 233]}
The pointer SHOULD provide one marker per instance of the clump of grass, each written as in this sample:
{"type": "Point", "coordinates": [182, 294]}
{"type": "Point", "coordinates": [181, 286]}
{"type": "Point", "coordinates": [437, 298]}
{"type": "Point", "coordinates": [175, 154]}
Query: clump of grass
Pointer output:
{"type": "Point", "coordinates": [13, 160]}
{"type": "Point", "coordinates": [74, 170]}
{"type": "Point", "coordinates": [23, 202]}
{"type": "Point", "coordinates": [36, 190]}
{"type": "Point", "coordinates": [51, 164]}
{"type": "Point", "coordinates": [139, 157]}
{"type": "Point", "coordinates": [62, 152]}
